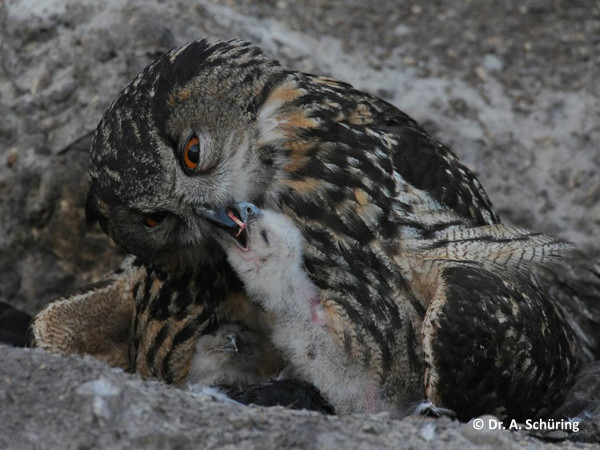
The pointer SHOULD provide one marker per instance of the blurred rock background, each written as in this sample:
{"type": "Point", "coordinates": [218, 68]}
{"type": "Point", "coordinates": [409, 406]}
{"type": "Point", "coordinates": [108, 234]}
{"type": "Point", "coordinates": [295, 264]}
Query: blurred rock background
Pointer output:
{"type": "Point", "coordinates": [511, 86]}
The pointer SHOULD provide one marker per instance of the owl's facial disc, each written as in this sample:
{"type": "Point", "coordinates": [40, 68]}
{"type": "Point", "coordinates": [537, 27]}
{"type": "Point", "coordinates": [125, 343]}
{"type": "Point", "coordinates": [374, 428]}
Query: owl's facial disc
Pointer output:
{"type": "Point", "coordinates": [185, 132]}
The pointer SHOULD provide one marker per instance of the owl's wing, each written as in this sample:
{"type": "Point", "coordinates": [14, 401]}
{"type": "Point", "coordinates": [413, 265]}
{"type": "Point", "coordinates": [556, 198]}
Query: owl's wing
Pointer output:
{"type": "Point", "coordinates": [573, 284]}
{"type": "Point", "coordinates": [495, 345]}
{"type": "Point", "coordinates": [96, 320]}
{"type": "Point", "coordinates": [420, 163]}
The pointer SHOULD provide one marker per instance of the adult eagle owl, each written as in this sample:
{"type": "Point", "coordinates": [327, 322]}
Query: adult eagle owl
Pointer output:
{"type": "Point", "coordinates": [422, 285]}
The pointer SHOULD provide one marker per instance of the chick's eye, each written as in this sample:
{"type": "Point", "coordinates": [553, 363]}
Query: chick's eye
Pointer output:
{"type": "Point", "coordinates": [152, 220]}
{"type": "Point", "coordinates": [191, 152]}
{"type": "Point", "coordinates": [265, 236]}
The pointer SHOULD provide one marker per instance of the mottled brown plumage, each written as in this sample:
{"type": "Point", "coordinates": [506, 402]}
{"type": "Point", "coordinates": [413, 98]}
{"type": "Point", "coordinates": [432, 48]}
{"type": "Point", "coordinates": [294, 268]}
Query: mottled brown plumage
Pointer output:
{"type": "Point", "coordinates": [423, 285]}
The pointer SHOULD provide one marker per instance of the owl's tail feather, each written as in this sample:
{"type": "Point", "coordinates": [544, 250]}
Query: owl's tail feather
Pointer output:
{"type": "Point", "coordinates": [13, 325]}
{"type": "Point", "coordinates": [574, 285]}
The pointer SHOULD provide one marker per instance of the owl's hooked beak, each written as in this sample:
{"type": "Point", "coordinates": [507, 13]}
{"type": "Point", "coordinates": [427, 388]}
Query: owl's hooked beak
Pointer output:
{"type": "Point", "coordinates": [219, 217]}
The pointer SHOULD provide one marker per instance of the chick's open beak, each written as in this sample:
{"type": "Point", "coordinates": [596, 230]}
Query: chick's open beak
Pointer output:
{"type": "Point", "coordinates": [231, 220]}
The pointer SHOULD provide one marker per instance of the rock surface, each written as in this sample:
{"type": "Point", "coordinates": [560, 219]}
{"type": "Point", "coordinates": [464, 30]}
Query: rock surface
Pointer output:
{"type": "Point", "coordinates": [510, 86]}
{"type": "Point", "coordinates": [53, 402]}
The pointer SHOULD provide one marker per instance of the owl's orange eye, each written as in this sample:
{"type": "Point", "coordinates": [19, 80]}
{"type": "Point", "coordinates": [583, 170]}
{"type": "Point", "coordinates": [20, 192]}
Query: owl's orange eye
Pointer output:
{"type": "Point", "coordinates": [191, 153]}
{"type": "Point", "coordinates": [152, 220]}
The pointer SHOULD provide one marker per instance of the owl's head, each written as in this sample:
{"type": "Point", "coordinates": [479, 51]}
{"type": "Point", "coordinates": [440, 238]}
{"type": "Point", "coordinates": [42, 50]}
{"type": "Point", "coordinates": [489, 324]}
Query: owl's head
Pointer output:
{"type": "Point", "coordinates": [183, 134]}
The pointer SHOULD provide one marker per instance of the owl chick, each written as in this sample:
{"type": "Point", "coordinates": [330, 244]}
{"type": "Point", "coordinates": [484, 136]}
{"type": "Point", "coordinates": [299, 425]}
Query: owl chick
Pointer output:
{"type": "Point", "coordinates": [240, 363]}
{"type": "Point", "coordinates": [231, 355]}
{"type": "Point", "coordinates": [266, 252]}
